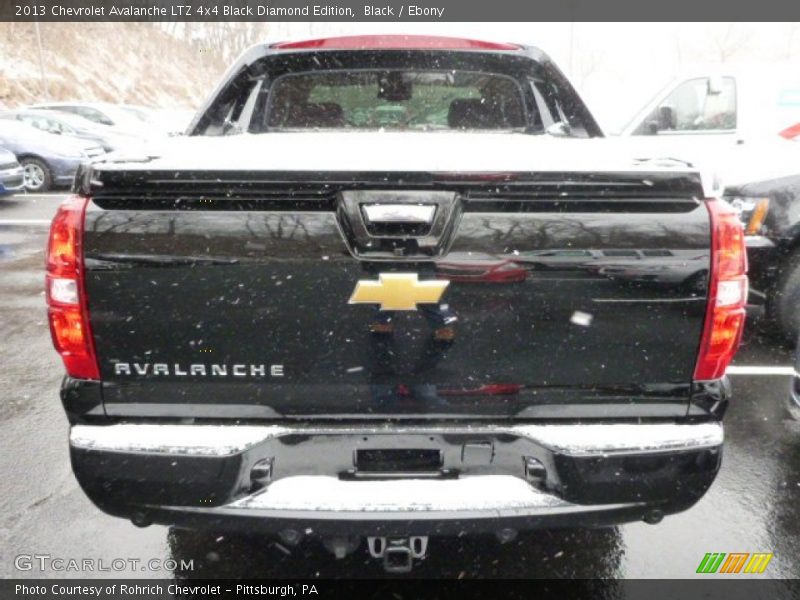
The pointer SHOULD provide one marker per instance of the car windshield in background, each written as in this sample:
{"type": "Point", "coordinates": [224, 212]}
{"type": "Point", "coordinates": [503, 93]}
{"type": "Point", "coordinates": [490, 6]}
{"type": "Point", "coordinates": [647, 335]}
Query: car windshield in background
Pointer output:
{"type": "Point", "coordinates": [396, 100]}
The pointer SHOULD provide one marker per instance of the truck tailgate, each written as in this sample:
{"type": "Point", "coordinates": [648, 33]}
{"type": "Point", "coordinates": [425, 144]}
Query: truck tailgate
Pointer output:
{"type": "Point", "coordinates": [231, 295]}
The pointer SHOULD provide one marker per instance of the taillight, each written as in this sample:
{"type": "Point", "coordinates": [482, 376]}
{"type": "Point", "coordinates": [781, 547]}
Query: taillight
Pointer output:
{"type": "Point", "coordinates": [66, 293]}
{"type": "Point", "coordinates": [727, 293]}
{"type": "Point", "coordinates": [791, 133]}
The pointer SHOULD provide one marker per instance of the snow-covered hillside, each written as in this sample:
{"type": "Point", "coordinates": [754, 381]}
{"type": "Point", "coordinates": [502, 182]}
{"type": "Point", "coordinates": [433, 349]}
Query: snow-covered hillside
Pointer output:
{"type": "Point", "coordinates": [136, 63]}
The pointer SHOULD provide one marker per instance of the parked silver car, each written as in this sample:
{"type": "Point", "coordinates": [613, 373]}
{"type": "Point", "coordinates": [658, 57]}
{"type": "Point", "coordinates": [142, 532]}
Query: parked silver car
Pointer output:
{"type": "Point", "coordinates": [60, 123]}
{"type": "Point", "coordinates": [48, 160]}
{"type": "Point", "coordinates": [11, 173]}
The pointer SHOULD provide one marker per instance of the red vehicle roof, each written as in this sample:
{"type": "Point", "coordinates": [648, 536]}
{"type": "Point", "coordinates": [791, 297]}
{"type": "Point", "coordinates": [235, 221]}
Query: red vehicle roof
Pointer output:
{"type": "Point", "coordinates": [394, 42]}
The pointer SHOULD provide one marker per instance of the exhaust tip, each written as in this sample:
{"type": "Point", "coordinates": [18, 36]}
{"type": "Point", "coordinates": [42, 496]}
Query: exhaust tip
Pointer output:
{"type": "Point", "coordinates": [140, 519]}
{"type": "Point", "coordinates": [291, 537]}
{"type": "Point", "coordinates": [654, 517]}
{"type": "Point", "coordinates": [504, 536]}
{"type": "Point", "coordinates": [341, 546]}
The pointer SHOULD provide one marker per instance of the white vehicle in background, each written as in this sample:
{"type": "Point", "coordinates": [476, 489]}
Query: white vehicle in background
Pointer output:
{"type": "Point", "coordinates": [721, 107]}
{"type": "Point", "coordinates": [729, 118]}
{"type": "Point", "coordinates": [742, 123]}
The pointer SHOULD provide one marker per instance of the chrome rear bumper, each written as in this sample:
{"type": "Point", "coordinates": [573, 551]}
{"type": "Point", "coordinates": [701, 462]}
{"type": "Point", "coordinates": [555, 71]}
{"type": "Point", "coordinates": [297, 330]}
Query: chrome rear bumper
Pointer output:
{"type": "Point", "coordinates": [223, 440]}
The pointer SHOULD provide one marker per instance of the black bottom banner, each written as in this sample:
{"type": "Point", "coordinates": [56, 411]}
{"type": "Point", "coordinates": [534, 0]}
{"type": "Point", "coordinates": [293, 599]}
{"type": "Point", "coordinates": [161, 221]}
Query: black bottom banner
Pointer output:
{"type": "Point", "coordinates": [402, 589]}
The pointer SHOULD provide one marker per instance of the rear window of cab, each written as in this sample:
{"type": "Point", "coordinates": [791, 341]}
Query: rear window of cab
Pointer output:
{"type": "Point", "coordinates": [399, 99]}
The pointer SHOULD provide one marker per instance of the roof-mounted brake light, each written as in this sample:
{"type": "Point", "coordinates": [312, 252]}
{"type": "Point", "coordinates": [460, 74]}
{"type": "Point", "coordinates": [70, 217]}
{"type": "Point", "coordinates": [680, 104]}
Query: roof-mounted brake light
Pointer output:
{"type": "Point", "coordinates": [393, 42]}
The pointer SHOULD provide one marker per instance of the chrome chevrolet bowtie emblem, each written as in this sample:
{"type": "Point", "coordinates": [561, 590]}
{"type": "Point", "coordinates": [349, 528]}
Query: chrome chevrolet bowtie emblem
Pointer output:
{"type": "Point", "coordinates": [398, 291]}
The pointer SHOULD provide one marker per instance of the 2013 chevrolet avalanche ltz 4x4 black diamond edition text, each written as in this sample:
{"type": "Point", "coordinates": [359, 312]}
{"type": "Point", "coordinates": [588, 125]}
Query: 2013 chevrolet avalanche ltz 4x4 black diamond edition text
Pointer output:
{"type": "Point", "coordinates": [392, 287]}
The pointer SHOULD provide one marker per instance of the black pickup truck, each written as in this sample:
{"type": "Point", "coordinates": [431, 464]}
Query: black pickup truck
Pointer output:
{"type": "Point", "coordinates": [393, 287]}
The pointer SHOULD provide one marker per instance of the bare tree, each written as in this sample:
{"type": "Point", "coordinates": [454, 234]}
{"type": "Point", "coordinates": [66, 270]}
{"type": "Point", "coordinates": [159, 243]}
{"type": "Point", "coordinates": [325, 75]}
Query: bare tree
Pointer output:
{"type": "Point", "coordinates": [589, 63]}
{"type": "Point", "coordinates": [794, 29]}
{"type": "Point", "coordinates": [678, 38]}
{"type": "Point", "coordinates": [219, 42]}
{"type": "Point", "coordinates": [731, 41]}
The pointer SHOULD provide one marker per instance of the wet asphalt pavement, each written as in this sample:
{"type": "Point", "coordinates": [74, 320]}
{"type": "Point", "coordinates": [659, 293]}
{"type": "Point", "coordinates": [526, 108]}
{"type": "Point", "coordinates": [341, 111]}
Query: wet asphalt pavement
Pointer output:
{"type": "Point", "coordinates": [754, 505]}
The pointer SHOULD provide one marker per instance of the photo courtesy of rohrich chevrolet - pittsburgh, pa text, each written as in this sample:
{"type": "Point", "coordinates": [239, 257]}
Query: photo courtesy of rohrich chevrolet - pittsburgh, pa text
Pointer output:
{"type": "Point", "coordinates": [401, 300]}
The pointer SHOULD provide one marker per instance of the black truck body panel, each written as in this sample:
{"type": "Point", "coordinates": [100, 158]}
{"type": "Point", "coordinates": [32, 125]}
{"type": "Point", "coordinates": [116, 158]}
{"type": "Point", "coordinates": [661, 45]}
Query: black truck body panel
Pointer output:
{"type": "Point", "coordinates": [589, 299]}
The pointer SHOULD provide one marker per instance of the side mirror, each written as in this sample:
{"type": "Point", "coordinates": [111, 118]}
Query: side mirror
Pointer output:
{"type": "Point", "coordinates": [666, 118]}
{"type": "Point", "coordinates": [714, 86]}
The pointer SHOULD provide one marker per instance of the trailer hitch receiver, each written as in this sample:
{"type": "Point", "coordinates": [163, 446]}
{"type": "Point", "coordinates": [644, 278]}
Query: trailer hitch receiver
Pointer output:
{"type": "Point", "coordinates": [398, 554]}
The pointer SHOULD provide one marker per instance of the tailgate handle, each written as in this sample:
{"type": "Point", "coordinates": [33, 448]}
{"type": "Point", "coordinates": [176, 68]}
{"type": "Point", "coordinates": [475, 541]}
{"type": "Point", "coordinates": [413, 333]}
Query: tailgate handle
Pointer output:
{"type": "Point", "coordinates": [417, 214]}
{"type": "Point", "coordinates": [398, 224]}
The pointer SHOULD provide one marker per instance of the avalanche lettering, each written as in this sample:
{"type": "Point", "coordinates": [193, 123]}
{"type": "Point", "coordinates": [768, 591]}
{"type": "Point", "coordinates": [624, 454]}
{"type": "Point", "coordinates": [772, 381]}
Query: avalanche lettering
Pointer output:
{"type": "Point", "coordinates": [137, 11]}
{"type": "Point", "coordinates": [197, 370]}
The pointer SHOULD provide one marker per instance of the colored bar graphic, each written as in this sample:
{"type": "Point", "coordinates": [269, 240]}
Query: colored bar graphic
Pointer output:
{"type": "Point", "coordinates": [713, 562]}
{"type": "Point", "coordinates": [758, 562]}
{"type": "Point", "coordinates": [734, 562]}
